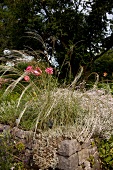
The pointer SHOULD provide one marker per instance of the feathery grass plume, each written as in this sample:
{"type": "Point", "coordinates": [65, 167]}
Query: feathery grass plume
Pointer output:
{"type": "Point", "coordinates": [96, 81]}
{"type": "Point", "coordinates": [21, 114]}
{"type": "Point", "coordinates": [14, 84]}
{"type": "Point", "coordinates": [35, 36]}
{"type": "Point", "coordinates": [49, 58]}
{"type": "Point", "coordinates": [48, 112]}
{"type": "Point", "coordinates": [13, 75]}
{"type": "Point", "coordinates": [22, 94]}
{"type": "Point", "coordinates": [77, 77]}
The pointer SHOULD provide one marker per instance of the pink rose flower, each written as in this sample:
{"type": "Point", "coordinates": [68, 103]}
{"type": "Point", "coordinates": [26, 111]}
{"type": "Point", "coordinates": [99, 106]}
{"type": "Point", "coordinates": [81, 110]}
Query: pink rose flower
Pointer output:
{"type": "Point", "coordinates": [37, 71]}
{"type": "Point", "coordinates": [27, 78]}
{"type": "Point", "coordinates": [49, 70]}
{"type": "Point", "coordinates": [29, 69]}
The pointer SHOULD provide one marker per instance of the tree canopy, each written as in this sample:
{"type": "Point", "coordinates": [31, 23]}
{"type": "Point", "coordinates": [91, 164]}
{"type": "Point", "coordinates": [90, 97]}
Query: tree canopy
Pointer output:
{"type": "Point", "coordinates": [79, 31]}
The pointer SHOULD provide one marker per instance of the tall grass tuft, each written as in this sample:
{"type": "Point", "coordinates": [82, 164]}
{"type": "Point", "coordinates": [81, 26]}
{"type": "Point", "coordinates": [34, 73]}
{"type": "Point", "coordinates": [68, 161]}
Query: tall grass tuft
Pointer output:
{"type": "Point", "coordinates": [38, 103]}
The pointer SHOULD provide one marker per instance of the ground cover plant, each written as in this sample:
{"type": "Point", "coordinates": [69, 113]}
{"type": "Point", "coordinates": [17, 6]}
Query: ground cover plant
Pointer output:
{"type": "Point", "coordinates": [10, 152]}
{"type": "Point", "coordinates": [105, 148]}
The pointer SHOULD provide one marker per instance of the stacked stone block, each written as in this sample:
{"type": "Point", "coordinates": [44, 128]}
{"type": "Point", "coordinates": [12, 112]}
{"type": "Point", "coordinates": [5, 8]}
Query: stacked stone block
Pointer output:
{"type": "Point", "coordinates": [75, 156]}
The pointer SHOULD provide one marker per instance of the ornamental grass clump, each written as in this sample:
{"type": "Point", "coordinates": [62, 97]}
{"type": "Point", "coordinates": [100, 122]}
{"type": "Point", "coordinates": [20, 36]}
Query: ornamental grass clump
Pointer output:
{"type": "Point", "coordinates": [29, 87]}
{"type": "Point", "coordinates": [34, 101]}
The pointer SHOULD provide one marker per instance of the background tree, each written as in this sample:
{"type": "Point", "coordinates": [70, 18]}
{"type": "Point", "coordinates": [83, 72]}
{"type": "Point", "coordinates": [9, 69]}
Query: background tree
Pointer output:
{"type": "Point", "coordinates": [76, 30]}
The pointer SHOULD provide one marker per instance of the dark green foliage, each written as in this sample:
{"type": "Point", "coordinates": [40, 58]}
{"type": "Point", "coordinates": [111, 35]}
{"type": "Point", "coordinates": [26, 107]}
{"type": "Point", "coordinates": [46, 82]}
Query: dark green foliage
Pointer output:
{"type": "Point", "coordinates": [104, 64]}
{"type": "Point", "coordinates": [9, 152]}
{"type": "Point", "coordinates": [22, 66]}
{"type": "Point", "coordinates": [105, 148]}
{"type": "Point", "coordinates": [76, 36]}
{"type": "Point", "coordinates": [5, 150]}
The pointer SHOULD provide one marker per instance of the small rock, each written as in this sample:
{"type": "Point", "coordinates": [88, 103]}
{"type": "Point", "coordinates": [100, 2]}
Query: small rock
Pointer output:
{"type": "Point", "coordinates": [68, 163]}
{"type": "Point", "coordinates": [79, 168]}
{"type": "Point", "coordinates": [83, 155]}
{"type": "Point", "coordinates": [69, 147]}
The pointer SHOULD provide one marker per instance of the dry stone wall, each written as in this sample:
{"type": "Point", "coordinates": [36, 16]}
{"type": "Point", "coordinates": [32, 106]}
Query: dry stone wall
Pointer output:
{"type": "Point", "coordinates": [75, 156]}
{"type": "Point", "coordinates": [66, 154]}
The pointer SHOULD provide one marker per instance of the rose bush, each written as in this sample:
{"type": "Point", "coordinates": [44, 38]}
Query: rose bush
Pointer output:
{"type": "Point", "coordinates": [36, 71]}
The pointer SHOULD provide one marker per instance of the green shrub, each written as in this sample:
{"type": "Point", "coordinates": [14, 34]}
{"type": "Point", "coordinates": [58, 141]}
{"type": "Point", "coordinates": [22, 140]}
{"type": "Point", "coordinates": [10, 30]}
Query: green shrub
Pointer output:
{"type": "Point", "coordinates": [106, 86]}
{"type": "Point", "coordinates": [9, 153]}
{"type": "Point", "coordinates": [105, 148]}
{"type": "Point", "coordinates": [104, 64]}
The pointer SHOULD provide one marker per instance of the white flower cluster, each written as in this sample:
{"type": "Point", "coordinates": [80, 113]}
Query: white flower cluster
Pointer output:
{"type": "Point", "coordinates": [28, 58]}
{"type": "Point", "coordinates": [6, 52]}
{"type": "Point", "coordinates": [10, 64]}
{"type": "Point", "coordinates": [52, 60]}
